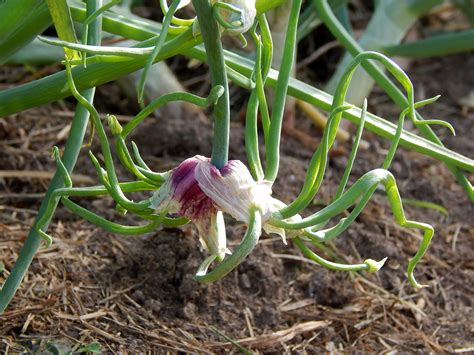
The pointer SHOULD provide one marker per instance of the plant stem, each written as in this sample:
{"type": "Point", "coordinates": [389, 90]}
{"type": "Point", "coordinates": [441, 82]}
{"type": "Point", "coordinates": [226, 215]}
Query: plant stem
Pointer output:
{"type": "Point", "coordinates": [211, 36]}
{"type": "Point", "coordinates": [434, 46]}
{"type": "Point", "coordinates": [54, 87]}
{"type": "Point", "coordinates": [273, 148]}
{"type": "Point", "coordinates": [71, 152]}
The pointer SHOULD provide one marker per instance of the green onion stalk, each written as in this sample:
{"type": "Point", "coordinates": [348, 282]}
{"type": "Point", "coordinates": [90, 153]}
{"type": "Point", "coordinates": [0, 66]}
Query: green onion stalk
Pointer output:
{"type": "Point", "coordinates": [211, 36]}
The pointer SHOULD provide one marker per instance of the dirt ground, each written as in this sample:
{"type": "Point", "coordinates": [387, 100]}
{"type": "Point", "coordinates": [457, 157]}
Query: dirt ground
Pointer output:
{"type": "Point", "coordinates": [139, 294]}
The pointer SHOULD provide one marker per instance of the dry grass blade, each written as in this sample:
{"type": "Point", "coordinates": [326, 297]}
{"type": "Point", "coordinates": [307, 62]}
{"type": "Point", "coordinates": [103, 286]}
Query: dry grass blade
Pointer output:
{"type": "Point", "coordinates": [27, 310]}
{"type": "Point", "coordinates": [281, 336]}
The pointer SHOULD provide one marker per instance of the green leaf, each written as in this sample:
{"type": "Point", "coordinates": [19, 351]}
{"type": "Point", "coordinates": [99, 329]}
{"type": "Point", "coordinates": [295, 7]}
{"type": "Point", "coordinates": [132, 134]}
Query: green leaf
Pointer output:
{"type": "Point", "coordinates": [62, 20]}
{"type": "Point", "coordinates": [17, 31]}
{"type": "Point", "coordinates": [435, 46]}
{"type": "Point", "coordinates": [93, 347]}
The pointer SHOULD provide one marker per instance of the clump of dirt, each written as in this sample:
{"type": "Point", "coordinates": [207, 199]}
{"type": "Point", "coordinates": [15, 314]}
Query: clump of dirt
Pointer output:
{"type": "Point", "coordinates": [168, 262]}
{"type": "Point", "coordinates": [329, 289]}
{"type": "Point", "coordinates": [174, 139]}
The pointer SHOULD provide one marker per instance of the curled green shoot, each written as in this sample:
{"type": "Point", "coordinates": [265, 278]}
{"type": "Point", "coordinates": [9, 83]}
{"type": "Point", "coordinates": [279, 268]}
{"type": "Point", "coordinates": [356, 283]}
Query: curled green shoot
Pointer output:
{"type": "Point", "coordinates": [260, 73]}
{"type": "Point", "coordinates": [115, 190]}
{"type": "Point", "coordinates": [314, 174]}
{"type": "Point", "coordinates": [182, 23]}
{"type": "Point", "coordinates": [63, 194]}
{"type": "Point", "coordinates": [251, 120]}
{"type": "Point", "coordinates": [251, 138]}
{"type": "Point", "coordinates": [214, 95]}
{"type": "Point", "coordinates": [397, 73]}
{"type": "Point", "coordinates": [363, 189]}
{"type": "Point", "coordinates": [224, 12]}
{"type": "Point", "coordinates": [368, 265]}
{"type": "Point", "coordinates": [398, 133]}
{"type": "Point", "coordinates": [126, 158]}
{"type": "Point", "coordinates": [317, 165]}
{"type": "Point", "coordinates": [352, 156]}
{"type": "Point", "coordinates": [344, 223]}
{"type": "Point", "coordinates": [348, 169]}
{"type": "Point", "coordinates": [257, 102]}
{"type": "Point", "coordinates": [109, 226]}
{"type": "Point", "coordinates": [141, 170]}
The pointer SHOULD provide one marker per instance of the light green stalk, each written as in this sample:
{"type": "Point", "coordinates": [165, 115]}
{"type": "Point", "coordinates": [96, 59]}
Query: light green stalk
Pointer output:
{"type": "Point", "coordinates": [278, 107]}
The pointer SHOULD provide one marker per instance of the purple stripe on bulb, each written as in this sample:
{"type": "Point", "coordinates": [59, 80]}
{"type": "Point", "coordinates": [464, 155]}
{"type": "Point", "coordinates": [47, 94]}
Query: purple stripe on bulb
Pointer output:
{"type": "Point", "coordinates": [183, 171]}
{"type": "Point", "coordinates": [194, 204]}
{"type": "Point", "coordinates": [229, 167]}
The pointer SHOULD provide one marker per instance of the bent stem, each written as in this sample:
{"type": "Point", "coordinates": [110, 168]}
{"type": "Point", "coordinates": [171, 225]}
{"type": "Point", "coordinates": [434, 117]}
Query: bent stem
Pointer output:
{"type": "Point", "coordinates": [363, 190]}
{"type": "Point", "coordinates": [317, 166]}
{"type": "Point", "coordinates": [142, 171]}
{"type": "Point", "coordinates": [111, 175]}
{"type": "Point", "coordinates": [368, 265]}
{"type": "Point", "coordinates": [250, 240]}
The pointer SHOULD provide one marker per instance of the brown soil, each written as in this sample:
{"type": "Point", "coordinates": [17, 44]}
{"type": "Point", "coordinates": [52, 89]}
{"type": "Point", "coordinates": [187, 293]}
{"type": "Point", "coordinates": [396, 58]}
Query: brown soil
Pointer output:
{"type": "Point", "coordinates": [139, 294]}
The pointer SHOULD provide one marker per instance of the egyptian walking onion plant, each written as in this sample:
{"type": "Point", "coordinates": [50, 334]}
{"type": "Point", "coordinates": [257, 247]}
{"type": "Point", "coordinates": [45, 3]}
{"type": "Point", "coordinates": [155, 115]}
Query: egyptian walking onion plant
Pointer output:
{"type": "Point", "coordinates": [201, 189]}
